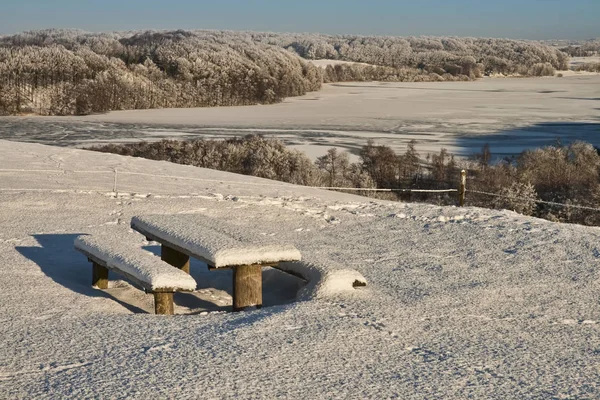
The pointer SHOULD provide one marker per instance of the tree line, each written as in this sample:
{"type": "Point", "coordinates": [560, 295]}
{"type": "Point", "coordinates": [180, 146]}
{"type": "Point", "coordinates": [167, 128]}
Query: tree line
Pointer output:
{"type": "Point", "coordinates": [584, 48]}
{"type": "Point", "coordinates": [471, 57]}
{"type": "Point", "coordinates": [67, 72]}
{"type": "Point", "coordinates": [70, 72]}
{"type": "Point", "coordinates": [567, 174]}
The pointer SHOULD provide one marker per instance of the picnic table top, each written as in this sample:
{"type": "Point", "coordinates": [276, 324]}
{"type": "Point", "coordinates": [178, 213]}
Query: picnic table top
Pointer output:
{"type": "Point", "coordinates": [211, 241]}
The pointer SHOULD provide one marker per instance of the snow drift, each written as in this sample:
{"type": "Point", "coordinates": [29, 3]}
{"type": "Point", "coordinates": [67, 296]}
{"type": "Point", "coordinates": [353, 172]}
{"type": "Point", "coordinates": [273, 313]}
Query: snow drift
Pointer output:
{"type": "Point", "coordinates": [460, 303]}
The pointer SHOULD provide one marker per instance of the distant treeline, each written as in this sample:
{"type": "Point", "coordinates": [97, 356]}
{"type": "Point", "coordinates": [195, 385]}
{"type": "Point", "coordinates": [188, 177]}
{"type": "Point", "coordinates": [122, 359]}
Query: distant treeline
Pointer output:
{"type": "Point", "coordinates": [588, 67]}
{"type": "Point", "coordinates": [471, 57]}
{"type": "Point", "coordinates": [66, 72]}
{"type": "Point", "coordinates": [562, 174]}
{"type": "Point", "coordinates": [583, 49]}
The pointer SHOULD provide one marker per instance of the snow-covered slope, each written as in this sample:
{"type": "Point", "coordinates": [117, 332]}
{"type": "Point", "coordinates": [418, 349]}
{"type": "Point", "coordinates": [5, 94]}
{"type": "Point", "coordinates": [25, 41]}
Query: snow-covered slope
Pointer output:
{"type": "Point", "coordinates": [459, 302]}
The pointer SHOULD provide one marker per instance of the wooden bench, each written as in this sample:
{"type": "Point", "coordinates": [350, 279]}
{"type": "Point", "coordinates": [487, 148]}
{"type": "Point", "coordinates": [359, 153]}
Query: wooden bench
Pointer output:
{"type": "Point", "coordinates": [121, 253]}
{"type": "Point", "coordinates": [183, 236]}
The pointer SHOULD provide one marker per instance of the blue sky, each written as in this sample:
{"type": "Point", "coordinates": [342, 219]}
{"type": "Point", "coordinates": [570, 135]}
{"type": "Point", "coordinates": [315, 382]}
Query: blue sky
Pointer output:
{"type": "Point", "coordinates": [527, 19]}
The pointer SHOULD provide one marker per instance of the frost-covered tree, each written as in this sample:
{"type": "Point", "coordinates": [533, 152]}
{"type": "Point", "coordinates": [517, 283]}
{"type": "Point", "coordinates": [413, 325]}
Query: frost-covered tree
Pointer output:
{"type": "Point", "coordinates": [455, 56]}
{"type": "Point", "coordinates": [520, 197]}
{"type": "Point", "coordinates": [381, 163]}
{"type": "Point", "coordinates": [335, 165]}
{"type": "Point", "coordinates": [251, 155]}
{"type": "Point", "coordinates": [73, 72]}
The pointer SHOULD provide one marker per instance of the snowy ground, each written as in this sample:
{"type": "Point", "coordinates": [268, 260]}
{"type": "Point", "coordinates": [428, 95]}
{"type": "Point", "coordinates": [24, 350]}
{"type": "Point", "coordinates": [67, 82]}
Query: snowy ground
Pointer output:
{"type": "Point", "coordinates": [510, 114]}
{"type": "Point", "coordinates": [324, 63]}
{"type": "Point", "coordinates": [460, 302]}
{"type": "Point", "coordinates": [575, 61]}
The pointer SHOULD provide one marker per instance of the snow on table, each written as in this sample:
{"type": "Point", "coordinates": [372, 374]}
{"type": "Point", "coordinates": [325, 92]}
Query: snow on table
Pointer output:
{"type": "Point", "coordinates": [196, 235]}
{"type": "Point", "coordinates": [121, 250]}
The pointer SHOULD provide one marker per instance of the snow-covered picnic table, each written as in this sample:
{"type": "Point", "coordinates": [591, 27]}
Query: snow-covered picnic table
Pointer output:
{"type": "Point", "coordinates": [183, 236]}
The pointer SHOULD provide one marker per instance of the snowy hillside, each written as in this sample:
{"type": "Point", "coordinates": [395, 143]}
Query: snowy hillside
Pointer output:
{"type": "Point", "coordinates": [459, 302]}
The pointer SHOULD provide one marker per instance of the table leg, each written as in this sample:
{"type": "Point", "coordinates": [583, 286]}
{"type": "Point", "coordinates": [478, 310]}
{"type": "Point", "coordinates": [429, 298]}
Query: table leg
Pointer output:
{"type": "Point", "coordinates": [175, 258]}
{"type": "Point", "coordinates": [247, 287]}
{"type": "Point", "coordinates": [163, 303]}
{"type": "Point", "coordinates": [99, 276]}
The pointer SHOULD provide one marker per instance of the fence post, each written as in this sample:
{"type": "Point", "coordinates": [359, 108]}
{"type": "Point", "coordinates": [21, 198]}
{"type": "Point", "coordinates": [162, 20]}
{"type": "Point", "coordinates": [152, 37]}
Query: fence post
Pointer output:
{"type": "Point", "coordinates": [115, 184]}
{"type": "Point", "coordinates": [462, 189]}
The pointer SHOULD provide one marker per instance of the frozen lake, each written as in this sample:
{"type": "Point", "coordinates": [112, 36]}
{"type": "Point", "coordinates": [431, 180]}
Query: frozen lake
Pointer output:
{"type": "Point", "coordinates": [511, 114]}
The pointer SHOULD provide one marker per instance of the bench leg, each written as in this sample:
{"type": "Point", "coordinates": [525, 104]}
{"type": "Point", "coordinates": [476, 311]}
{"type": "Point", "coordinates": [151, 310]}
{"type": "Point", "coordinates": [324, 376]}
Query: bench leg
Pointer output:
{"type": "Point", "coordinates": [163, 303]}
{"type": "Point", "coordinates": [175, 258]}
{"type": "Point", "coordinates": [99, 276]}
{"type": "Point", "coordinates": [247, 287]}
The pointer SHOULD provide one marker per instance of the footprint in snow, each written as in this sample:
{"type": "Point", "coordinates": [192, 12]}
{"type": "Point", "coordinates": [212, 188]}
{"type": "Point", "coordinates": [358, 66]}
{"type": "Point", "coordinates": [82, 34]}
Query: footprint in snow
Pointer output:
{"type": "Point", "coordinates": [159, 347]}
{"type": "Point", "coordinates": [578, 322]}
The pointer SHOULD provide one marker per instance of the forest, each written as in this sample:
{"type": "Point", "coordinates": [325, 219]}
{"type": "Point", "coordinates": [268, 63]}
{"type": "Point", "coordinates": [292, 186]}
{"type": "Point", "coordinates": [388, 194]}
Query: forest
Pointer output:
{"type": "Point", "coordinates": [66, 72]}
{"type": "Point", "coordinates": [470, 57]}
{"type": "Point", "coordinates": [566, 174]}
{"type": "Point", "coordinates": [584, 48]}
{"type": "Point", "coordinates": [71, 72]}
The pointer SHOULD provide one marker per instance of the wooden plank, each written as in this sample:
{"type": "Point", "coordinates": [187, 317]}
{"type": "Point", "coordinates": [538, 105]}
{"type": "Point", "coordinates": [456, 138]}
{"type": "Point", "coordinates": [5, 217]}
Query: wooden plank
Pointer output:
{"type": "Point", "coordinates": [99, 276]}
{"type": "Point", "coordinates": [272, 265]}
{"type": "Point", "coordinates": [164, 242]}
{"type": "Point", "coordinates": [209, 263]}
{"type": "Point", "coordinates": [175, 258]}
{"type": "Point", "coordinates": [247, 287]}
{"type": "Point", "coordinates": [163, 303]}
{"type": "Point", "coordinates": [141, 284]}
{"type": "Point", "coordinates": [133, 279]}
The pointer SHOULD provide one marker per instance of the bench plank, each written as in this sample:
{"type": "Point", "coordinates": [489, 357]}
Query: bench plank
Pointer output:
{"type": "Point", "coordinates": [99, 263]}
{"type": "Point", "coordinates": [123, 254]}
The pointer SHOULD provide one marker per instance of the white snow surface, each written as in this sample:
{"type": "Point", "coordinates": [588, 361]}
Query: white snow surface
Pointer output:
{"type": "Point", "coordinates": [201, 236]}
{"type": "Point", "coordinates": [122, 250]}
{"type": "Point", "coordinates": [324, 280]}
{"type": "Point", "coordinates": [324, 63]}
{"type": "Point", "coordinates": [477, 304]}
{"type": "Point", "coordinates": [510, 114]}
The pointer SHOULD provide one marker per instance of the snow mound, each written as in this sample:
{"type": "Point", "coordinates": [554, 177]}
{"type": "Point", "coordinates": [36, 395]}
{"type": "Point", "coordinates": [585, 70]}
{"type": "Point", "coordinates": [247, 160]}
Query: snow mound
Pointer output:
{"type": "Point", "coordinates": [122, 250]}
{"type": "Point", "coordinates": [324, 281]}
{"type": "Point", "coordinates": [196, 234]}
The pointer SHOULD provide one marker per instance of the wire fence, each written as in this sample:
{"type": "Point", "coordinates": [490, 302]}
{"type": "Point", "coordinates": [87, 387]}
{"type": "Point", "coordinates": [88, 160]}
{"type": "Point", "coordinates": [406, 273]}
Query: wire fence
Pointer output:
{"type": "Point", "coordinates": [460, 191]}
{"type": "Point", "coordinates": [463, 191]}
{"type": "Point", "coordinates": [386, 190]}
{"type": "Point", "coordinates": [551, 203]}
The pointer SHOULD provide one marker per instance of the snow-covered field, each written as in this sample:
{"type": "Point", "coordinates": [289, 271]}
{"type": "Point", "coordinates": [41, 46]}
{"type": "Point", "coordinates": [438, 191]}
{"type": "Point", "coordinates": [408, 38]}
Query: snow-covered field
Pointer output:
{"type": "Point", "coordinates": [460, 302]}
{"type": "Point", "coordinates": [510, 114]}
{"type": "Point", "coordinates": [583, 60]}
{"type": "Point", "coordinates": [324, 63]}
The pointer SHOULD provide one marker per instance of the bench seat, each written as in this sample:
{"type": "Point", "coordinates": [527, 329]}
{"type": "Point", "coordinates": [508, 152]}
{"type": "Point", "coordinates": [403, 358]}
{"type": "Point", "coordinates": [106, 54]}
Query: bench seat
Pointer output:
{"type": "Point", "coordinates": [122, 253]}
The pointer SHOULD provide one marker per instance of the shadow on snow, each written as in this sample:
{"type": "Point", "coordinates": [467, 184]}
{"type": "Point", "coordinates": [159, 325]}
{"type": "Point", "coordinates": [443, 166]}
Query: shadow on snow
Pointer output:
{"type": "Point", "coordinates": [59, 260]}
{"type": "Point", "coordinates": [513, 141]}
